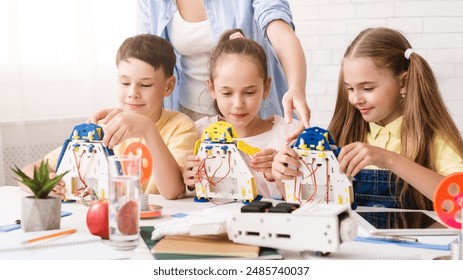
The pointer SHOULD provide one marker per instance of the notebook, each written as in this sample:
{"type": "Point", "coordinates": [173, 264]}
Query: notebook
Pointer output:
{"type": "Point", "coordinates": [204, 247]}
{"type": "Point", "coordinates": [10, 227]}
{"type": "Point", "coordinates": [76, 246]}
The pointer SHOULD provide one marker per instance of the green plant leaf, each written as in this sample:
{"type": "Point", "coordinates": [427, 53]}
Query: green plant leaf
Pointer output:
{"type": "Point", "coordinates": [49, 185]}
{"type": "Point", "coordinates": [25, 179]}
{"type": "Point", "coordinates": [40, 184]}
{"type": "Point", "coordinates": [44, 172]}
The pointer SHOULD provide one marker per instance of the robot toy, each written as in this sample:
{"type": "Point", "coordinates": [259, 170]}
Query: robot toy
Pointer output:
{"type": "Point", "coordinates": [84, 155]}
{"type": "Point", "coordinates": [223, 169]}
{"type": "Point", "coordinates": [321, 180]}
{"type": "Point", "coordinates": [317, 228]}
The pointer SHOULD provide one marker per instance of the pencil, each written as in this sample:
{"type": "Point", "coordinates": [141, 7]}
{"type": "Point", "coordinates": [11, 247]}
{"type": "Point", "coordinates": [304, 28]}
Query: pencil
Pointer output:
{"type": "Point", "coordinates": [56, 234]}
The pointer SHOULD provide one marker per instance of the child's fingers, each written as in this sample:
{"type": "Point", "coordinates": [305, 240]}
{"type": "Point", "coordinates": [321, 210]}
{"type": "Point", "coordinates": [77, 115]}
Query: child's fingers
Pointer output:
{"type": "Point", "coordinates": [287, 160]}
{"type": "Point", "coordinates": [190, 177]}
{"type": "Point", "coordinates": [288, 172]}
{"type": "Point", "coordinates": [58, 191]}
{"type": "Point", "coordinates": [263, 159]}
{"type": "Point", "coordinates": [261, 165]}
{"type": "Point", "coordinates": [98, 116]}
{"type": "Point", "coordinates": [112, 114]}
{"type": "Point", "coordinates": [116, 138]}
{"type": "Point", "coordinates": [191, 181]}
{"type": "Point", "coordinates": [283, 173]}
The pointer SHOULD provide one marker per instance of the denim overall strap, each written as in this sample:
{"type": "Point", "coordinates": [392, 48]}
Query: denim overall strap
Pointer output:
{"type": "Point", "coordinates": [375, 188]}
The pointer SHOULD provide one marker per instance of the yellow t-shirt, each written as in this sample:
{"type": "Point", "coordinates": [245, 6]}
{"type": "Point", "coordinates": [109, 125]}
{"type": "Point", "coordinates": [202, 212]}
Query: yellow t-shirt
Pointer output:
{"type": "Point", "coordinates": [179, 134]}
{"type": "Point", "coordinates": [388, 137]}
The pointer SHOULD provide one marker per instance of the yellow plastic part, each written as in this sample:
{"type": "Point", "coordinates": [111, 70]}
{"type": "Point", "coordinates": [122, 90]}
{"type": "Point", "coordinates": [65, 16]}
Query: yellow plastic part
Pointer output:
{"type": "Point", "coordinates": [197, 144]}
{"type": "Point", "coordinates": [219, 130]}
{"type": "Point", "coordinates": [320, 146]}
{"type": "Point", "coordinates": [254, 187]}
{"type": "Point", "coordinates": [75, 136]}
{"type": "Point", "coordinates": [245, 147]}
{"type": "Point", "coordinates": [303, 147]}
{"type": "Point", "coordinates": [322, 155]}
{"type": "Point", "coordinates": [98, 130]}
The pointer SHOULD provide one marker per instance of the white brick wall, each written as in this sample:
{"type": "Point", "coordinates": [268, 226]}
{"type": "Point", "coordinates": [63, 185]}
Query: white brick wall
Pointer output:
{"type": "Point", "coordinates": [325, 28]}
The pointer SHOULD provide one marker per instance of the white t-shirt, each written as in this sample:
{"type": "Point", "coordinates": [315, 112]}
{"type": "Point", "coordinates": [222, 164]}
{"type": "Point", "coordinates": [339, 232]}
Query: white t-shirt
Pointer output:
{"type": "Point", "coordinates": [275, 138]}
{"type": "Point", "coordinates": [194, 42]}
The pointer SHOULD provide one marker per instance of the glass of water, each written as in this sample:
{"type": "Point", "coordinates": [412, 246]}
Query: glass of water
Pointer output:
{"type": "Point", "coordinates": [124, 196]}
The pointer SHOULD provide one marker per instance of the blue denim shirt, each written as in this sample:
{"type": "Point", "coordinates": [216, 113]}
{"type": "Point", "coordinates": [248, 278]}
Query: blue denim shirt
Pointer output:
{"type": "Point", "coordinates": [252, 16]}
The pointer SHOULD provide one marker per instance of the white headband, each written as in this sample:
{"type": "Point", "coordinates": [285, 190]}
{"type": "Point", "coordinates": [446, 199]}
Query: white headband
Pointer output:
{"type": "Point", "coordinates": [408, 53]}
{"type": "Point", "coordinates": [236, 35]}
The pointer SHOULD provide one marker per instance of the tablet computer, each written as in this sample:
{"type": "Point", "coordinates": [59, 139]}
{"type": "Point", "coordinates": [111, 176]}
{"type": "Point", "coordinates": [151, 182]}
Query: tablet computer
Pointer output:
{"type": "Point", "coordinates": [402, 222]}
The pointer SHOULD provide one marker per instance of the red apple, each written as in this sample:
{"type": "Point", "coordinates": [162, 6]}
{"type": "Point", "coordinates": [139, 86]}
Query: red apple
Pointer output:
{"type": "Point", "coordinates": [127, 218]}
{"type": "Point", "coordinates": [97, 218]}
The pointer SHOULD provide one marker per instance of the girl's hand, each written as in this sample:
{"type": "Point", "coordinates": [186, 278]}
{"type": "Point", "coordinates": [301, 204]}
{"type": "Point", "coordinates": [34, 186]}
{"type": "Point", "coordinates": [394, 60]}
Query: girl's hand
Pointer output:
{"type": "Point", "coordinates": [355, 156]}
{"type": "Point", "coordinates": [190, 170]}
{"type": "Point", "coordinates": [262, 162]}
{"type": "Point", "coordinates": [285, 163]}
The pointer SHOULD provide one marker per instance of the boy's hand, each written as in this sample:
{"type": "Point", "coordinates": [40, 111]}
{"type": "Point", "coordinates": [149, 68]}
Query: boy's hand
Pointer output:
{"type": "Point", "coordinates": [282, 163]}
{"type": "Point", "coordinates": [59, 189]}
{"type": "Point", "coordinates": [104, 115]}
{"type": "Point", "coordinates": [190, 170]}
{"type": "Point", "coordinates": [125, 126]}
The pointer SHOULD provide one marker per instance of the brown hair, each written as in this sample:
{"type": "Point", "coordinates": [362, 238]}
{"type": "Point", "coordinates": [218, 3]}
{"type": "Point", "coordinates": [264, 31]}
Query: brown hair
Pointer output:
{"type": "Point", "coordinates": [151, 49]}
{"type": "Point", "coordinates": [424, 113]}
{"type": "Point", "coordinates": [238, 46]}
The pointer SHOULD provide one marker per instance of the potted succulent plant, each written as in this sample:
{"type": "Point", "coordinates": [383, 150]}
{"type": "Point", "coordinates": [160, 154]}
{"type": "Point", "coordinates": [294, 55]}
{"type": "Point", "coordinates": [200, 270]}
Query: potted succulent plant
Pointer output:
{"type": "Point", "coordinates": [40, 211]}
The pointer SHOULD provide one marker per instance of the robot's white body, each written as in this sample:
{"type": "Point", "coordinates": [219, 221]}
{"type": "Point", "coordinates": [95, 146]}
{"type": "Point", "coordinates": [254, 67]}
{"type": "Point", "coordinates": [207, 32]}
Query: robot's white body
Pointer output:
{"type": "Point", "coordinates": [318, 228]}
{"type": "Point", "coordinates": [223, 171]}
{"type": "Point", "coordinates": [228, 173]}
{"type": "Point", "coordinates": [321, 181]}
{"type": "Point", "coordinates": [310, 228]}
{"type": "Point", "coordinates": [86, 159]}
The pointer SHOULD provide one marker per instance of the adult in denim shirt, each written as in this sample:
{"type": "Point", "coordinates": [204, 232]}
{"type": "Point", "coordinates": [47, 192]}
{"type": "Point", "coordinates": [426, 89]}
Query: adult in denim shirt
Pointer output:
{"type": "Point", "coordinates": [194, 26]}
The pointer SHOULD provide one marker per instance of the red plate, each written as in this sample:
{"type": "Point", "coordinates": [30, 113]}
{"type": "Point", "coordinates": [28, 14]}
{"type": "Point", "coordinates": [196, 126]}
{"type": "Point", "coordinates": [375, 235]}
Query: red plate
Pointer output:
{"type": "Point", "coordinates": [153, 212]}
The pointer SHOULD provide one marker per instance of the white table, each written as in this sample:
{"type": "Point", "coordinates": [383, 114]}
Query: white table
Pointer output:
{"type": "Point", "coordinates": [10, 211]}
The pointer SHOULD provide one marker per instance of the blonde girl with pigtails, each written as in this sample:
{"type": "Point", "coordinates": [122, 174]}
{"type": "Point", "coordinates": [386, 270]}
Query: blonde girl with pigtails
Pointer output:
{"type": "Point", "coordinates": [398, 139]}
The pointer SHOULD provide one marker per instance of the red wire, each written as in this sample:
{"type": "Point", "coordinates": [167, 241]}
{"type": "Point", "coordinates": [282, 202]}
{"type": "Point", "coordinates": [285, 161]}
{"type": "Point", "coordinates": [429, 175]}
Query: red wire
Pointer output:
{"type": "Point", "coordinates": [78, 169]}
{"type": "Point", "coordinates": [209, 179]}
{"type": "Point", "coordinates": [313, 177]}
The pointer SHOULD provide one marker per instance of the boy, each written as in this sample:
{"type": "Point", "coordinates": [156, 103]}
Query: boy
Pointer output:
{"type": "Point", "coordinates": [163, 138]}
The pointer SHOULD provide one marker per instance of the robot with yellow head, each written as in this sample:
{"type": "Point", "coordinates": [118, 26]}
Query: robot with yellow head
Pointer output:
{"type": "Point", "coordinates": [223, 169]}
{"type": "Point", "coordinates": [321, 181]}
